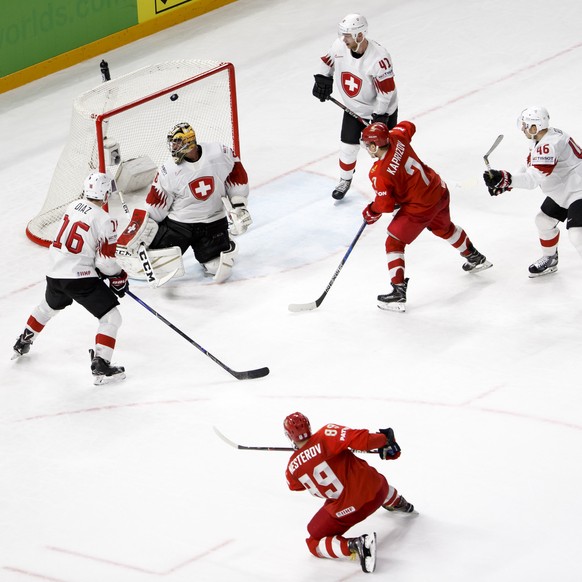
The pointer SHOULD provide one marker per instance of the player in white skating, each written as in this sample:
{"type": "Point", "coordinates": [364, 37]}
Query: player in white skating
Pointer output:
{"type": "Point", "coordinates": [365, 80]}
{"type": "Point", "coordinates": [84, 249]}
{"type": "Point", "coordinates": [188, 203]}
{"type": "Point", "coordinates": [555, 165]}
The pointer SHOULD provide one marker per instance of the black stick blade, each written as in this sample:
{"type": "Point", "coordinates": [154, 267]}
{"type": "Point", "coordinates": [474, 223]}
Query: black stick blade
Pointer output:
{"type": "Point", "coordinates": [251, 374]}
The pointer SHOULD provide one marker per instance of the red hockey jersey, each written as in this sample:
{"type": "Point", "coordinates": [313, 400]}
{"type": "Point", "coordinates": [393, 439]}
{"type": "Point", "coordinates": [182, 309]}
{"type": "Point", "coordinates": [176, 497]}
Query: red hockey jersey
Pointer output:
{"type": "Point", "coordinates": [326, 467]}
{"type": "Point", "coordinates": [401, 178]}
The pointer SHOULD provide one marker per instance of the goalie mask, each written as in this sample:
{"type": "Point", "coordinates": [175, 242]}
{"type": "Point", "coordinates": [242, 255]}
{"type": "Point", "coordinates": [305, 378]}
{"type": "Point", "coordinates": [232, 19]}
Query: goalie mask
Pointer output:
{"type": "Point", "coordinates": [98, 186]}
{"type": "Point", "coordinates": [181, 140]}
{"type": "Point", "coordinates": [353, 24]}
{"type": "Point", "coordinates": [297, 427]}
{"type": "Point", "coordinates": [531, 116]}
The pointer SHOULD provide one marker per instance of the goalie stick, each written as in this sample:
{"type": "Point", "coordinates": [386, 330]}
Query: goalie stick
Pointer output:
{"type": "Point", "coordinates": [486, 156]}
{"type": "Point", "coordinates": [245, 375]}
{"type": "Point", "coordinates": [295, 307]}
{"type": "Point", "coordinates": [253, 448]}
{"type": "Point", "coordinates": [349, 111]}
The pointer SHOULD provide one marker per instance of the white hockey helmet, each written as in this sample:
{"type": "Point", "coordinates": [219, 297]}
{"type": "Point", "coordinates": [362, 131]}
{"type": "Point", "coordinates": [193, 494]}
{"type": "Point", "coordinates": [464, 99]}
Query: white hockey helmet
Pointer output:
{"type": "Point", "coordinates": [534, 115]}
{"type": "Point", "coordinates": [98, 186]}
{"type": "Point", "coordinates": [353, 24]}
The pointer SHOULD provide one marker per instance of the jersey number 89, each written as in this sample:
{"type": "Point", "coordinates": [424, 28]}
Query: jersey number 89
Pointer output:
{"type": "Point", "coordinates": [326, 482]}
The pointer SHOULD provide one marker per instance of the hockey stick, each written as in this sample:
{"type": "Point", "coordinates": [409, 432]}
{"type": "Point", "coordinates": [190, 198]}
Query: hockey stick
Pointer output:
{"type": "Point", "coordinates": [245, 375]}
{"type": "Point", "coordinates": [252, 448]}
{"type": "Point", "coordinates": [148, 269]}
{"type": "Point", "coordinates": [349, 111]}
{"type": "Point", "coordinates": [295, 307]}
{"type": "Point", "coordinates": [486, 156]}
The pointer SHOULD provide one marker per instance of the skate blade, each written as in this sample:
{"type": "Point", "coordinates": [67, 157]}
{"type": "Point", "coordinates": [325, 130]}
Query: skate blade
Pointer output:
{"type": "Point", "coordinates": [398, 307]}
{"type": "Point", "coordinates": [412, 513]}
{"type": "Point", "coordinates": [102, 379]}
{"type": "Point", "coordinates": [546, 272]}
{"type": "Point", "coordinates": [16, 355]}
{"type": "Point", "coordinates": [481, 267]}
{"type": "Point", "coordinates": [369, 564]}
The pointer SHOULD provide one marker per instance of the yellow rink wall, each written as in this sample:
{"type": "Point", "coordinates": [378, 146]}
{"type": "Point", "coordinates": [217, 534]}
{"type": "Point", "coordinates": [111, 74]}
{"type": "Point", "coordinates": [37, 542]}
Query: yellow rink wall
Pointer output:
{"type": "Point", "coordinates": [40, 37]}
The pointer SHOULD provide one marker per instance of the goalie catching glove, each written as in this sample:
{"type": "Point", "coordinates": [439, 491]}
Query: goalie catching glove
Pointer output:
{"type": "Point", "coordinates": [391, 450]}
{"type": "Point", "coordinates": [497, 181]}
{"type": "Point", "coordinates": [239, 217]}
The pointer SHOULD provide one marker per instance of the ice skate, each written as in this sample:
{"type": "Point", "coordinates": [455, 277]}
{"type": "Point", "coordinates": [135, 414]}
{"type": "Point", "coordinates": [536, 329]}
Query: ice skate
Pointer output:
{"type": "Point", "coordinates": [22, 345]}
{"type": "Point", "coordinates": [103, 372]}
{"type": "Point", "coordinates": [341, 189]}
{"type": "Point", "coordinates": [364, 548]}
{"type": "Point", "coordinates": [544, 266]}
{"type": "Point", "coordinates": [395, 301]}
{"type": "Point", "coordinates": [476, 262]}
{"type": "Point", "coordinates": [402, 506]}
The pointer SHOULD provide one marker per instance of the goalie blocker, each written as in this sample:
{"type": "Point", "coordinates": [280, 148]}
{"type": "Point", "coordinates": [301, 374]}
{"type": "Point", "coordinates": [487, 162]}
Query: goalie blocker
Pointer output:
{"type": "Point", "coordinates": [166, 263]}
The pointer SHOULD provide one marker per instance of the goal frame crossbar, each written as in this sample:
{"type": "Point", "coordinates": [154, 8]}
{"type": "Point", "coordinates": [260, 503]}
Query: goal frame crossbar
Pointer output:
{"type": "Point", "coordinates": [229, 67]}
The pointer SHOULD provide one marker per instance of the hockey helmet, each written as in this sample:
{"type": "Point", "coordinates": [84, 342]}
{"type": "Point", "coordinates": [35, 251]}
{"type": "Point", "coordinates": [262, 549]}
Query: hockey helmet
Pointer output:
{"type": "Point", "coordinates": [353, 24]}
{"type": "Point", "coordinates": [534, 115]}
{"type": "Point", "coordinates": [377, 134]}
{"type": "Point", "coordinates": [181, 140]}
{"type": "Point", "coordinates": [98, 186]}
{"type": "Point", "coordinates": [297, 427]}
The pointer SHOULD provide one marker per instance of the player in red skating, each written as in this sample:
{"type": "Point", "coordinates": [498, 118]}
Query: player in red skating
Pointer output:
{"type": "Point", "coordinates": [325, 465]}
{"type": "Point", "coordinates": [403, 182]}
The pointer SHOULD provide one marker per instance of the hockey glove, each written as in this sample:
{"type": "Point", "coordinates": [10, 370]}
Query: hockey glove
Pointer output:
{"type": "Point", "coordinates": [323, 87]}
{"type": "Point", "coordinates": [497, 181]}
{"type": "Point", "coordinates": [391, 450]}
{"type": "Point", "coordinates": [118, 283]}
{"type": "Point", "coordinates": [239, 217]}
{"type": "Point", "coordinates": [380, 118]}
{"type": "Point", "coordinates": [369, 215]}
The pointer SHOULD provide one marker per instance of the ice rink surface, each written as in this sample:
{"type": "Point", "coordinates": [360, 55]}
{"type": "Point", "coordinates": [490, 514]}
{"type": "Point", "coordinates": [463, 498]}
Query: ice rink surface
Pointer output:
{"type": "Point", "coordinates": [480, 378]}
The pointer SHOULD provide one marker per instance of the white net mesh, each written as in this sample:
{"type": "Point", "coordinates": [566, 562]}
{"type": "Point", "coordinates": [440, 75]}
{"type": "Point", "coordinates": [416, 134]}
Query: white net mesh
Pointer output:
{"type": "Point", "coordinates": [140, 109]}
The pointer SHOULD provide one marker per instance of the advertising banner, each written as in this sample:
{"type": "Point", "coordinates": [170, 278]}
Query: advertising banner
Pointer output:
{"type": "Point", "coordinates": [32, 31]}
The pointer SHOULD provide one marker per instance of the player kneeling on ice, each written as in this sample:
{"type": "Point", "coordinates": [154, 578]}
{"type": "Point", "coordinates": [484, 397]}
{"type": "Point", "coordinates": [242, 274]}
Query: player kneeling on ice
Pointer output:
{"type": "Point", "coordinates": [325, 465]}
{"type": "Point", "coordinates": [83, 252]}
{"type": "Point", "coordinates": [403, 182]}
{"type": "Point", "coordinates": [555, 165]}
{"type": "Point", "coordinates": [194, 195]}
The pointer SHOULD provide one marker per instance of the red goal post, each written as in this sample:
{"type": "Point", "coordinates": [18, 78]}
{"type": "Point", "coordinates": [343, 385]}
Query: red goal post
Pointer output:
{"type": "Point", "coordinates": [127, 119]}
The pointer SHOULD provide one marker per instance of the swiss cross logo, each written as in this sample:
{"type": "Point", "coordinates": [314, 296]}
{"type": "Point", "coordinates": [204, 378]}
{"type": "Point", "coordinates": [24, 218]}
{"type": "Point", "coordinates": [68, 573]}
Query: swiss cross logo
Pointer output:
{"type": "Point", "coordinates": [202, 188]}
{"type": "Point", "coordinates": [351, 84]}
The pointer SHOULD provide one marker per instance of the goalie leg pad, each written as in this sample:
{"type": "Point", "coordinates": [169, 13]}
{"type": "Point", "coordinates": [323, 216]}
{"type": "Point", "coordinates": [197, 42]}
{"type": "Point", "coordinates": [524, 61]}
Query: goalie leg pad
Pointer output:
{"type": "Point", "coordinates": [221, 267]}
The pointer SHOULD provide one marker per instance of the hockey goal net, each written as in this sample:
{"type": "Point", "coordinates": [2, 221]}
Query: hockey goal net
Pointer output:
{"type": "Point", "coordinates": [127, 119]}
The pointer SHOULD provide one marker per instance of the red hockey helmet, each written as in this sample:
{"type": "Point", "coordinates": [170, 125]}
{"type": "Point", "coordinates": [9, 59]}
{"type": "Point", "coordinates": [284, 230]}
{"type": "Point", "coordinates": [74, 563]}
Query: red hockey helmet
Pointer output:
{"type": "Point", "coordinates": [376, 133]}
{"type": "Point", "coordinates": [297, 427]}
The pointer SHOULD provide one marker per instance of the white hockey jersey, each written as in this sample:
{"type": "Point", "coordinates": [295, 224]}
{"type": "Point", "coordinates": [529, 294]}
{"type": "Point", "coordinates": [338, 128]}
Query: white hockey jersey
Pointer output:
{"type": "Point", "coordinates": [192, 192]}
{"type": "Point", "coordinates": [366, 84]}
{"type": "Point", "coordinates": [555, 165]}
{"type": "Point", "coordinates": [86, 240]}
